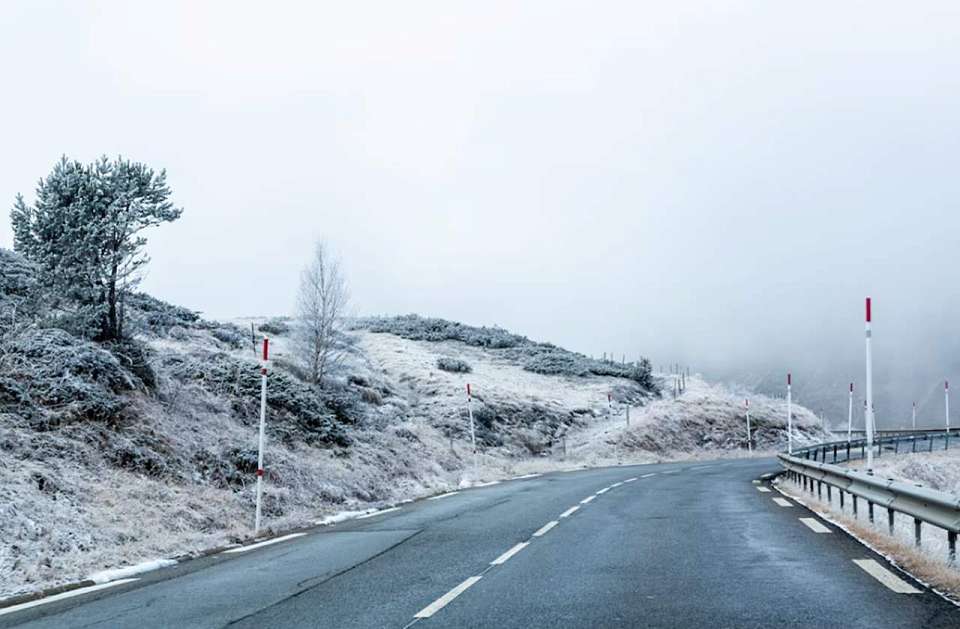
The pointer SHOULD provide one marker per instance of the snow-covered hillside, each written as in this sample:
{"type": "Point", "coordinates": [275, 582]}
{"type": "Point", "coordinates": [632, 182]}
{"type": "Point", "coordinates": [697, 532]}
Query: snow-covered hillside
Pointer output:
{"type": "Point", "coordinates": [118, 454]}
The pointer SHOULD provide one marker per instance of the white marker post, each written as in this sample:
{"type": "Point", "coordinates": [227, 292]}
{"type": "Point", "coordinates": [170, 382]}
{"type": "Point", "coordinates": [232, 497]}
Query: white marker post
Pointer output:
{"type": "Point", "coordinates": [789, 413]}
{"type": "Point", "coordinates": [869, 412]}
{"type": "Point", "coordinates": [473, 434]}
{"type": "Point", "coordinates": [850, 415]}
{"type": "Point", "coordinates": [263, 424]}
{"type": "Point", "coordinates": [946, 402]}
{"type": "Point", "coordinates": [914, 417]}
{"type": "Point", "coordinates": [746, 403]}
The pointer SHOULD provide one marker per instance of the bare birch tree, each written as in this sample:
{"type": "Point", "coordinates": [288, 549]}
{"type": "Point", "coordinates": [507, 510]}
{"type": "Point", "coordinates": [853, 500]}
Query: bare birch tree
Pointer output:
{"type": "Point", "coordinates": [321, 306]}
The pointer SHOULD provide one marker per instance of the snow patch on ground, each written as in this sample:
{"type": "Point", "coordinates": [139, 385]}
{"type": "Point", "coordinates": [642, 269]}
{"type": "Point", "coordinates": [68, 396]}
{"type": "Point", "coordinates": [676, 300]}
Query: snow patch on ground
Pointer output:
{"type": "Point", "coordinates": [105, 576]}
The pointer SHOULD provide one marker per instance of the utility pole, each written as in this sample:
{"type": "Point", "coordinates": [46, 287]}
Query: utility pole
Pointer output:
{"type": "Point", "coordinates": [869, 418]}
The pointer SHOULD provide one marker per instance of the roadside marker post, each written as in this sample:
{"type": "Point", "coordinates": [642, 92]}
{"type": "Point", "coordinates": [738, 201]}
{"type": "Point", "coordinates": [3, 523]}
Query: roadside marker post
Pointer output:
{"type": "Point", "coordinates": [609, 406]}
{"type": "Point", "coordinates": [869, 414]}
{"type": "Point", "coordinates": [850, 415]}
{"type": "Point", "coordinates": [263, 423]}
{"type": "Point", "coordinates": [946, 403]}
{"type": "Point", "coordinates": [914, 416]}
{"type": "Point", "coordinates": [789, 413]}
{"type": "Point", "coordinates": [749, 442]}
{"type": "Point", "coordinates": [473, 434]}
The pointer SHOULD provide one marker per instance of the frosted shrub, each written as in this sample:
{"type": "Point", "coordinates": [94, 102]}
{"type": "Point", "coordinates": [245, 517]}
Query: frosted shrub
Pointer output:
{"type": "Point", "coordinates": [52, 377]}
{"type": "Point", "coordinates": [275, 327]}
{"type": "Point", "coordinates": [301, 413]}
{"type": "Point", "coordinates": [417, 328]}
{"type": "Point", "coordinates": [453, 364]}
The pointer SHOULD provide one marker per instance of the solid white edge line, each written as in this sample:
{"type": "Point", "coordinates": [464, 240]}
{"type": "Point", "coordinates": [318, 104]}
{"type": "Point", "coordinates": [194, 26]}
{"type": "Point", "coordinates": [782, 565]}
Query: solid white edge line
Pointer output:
{"type": "Point", "coordinates": [603, 491]}
{"type": "Point", "coordinates": [783, 502]}
{"type": "Point", "coordinates": [243, 549]}
{"type": "Point", "coordinates": [376, 513]}
{"type": "Point", "coordinates": [526, 476]}
{"type": "Point", "coordinates": [569, 512]}
{"type": "Point", "coordinates": [630, 480]}
{"type": "Point", "coordinates": [59, 597]}
{"type": "Point", "coordinates": [502, 559]}
{"type": "Point", "coordinates": [543, 530]}
{"type": "Point", "coordinates": [884, 576]}
{"type": "Point", "coordinates": [615, 485]}
{"type": "Point", "coordinates": [814, 525]}
{"type": "Point", "coordinates": [446, 495]}
{"type": "Point", "coordinates": [486, 484]}
{"type": "Point", "coordinates": [442, 602]}
{"type": "Point", "coordinates": [763, 489]}
{"type": "Point", "coordinates": [587, 499]}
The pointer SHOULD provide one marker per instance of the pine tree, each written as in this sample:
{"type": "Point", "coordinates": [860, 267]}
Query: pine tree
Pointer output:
{"type": "Point", "coordinates": [83, 231]}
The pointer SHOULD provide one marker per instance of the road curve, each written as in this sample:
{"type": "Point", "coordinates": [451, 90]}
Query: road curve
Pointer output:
{"type": "Point", "coordinates": [675, 545]}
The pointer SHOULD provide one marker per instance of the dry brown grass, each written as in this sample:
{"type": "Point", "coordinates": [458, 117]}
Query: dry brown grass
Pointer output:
{"type": "Point", "coordinates": [927, 564]}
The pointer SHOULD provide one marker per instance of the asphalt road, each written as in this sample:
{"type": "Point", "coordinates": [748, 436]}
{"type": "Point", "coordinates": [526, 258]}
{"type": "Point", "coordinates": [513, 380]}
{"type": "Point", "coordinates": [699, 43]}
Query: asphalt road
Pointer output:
{"type": "Point", "coordinates": [682, 545]}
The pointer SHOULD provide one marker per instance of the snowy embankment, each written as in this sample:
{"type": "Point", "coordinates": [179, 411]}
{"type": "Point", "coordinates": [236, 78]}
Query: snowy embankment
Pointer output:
{"type": "Point", "coordinates": [157, 459]}
{"type": "Point", "coordinates": [929, 563]}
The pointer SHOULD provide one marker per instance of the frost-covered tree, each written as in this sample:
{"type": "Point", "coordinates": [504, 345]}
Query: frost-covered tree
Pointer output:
{"type": "Point", "coordinates": [321, 306]}
{"type": "Point", "coordinates": [84, 233]}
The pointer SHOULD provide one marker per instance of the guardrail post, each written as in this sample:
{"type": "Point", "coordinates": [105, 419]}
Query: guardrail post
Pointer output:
{"type": "Point", "coordinates": [952, 543]}
{"type": "Point", "coordinates": [930, 439]}
{"type": "Point", "coordinates": [890, 519]}
{"type": "Point", "coordinates": [834, 453]}
{"type": "Point", "coordinates": [848, 451]}
{"type": "Point", "coordinates": [829, 494]}
{"type": "Point", "coordinates": [870, 511]}
{"type": "Point", "coordinates": [916, 531]}
{"type": "Point", "coordinates": [841, 500]}
{"type": "Point", "coordinates": [819, 490]}
{"type": "Point", "coordinates": [914, 443]}
{"type": "Point", "coordinates": [854, 496]}
{"type": "Point", "coordinates": [896, 447]}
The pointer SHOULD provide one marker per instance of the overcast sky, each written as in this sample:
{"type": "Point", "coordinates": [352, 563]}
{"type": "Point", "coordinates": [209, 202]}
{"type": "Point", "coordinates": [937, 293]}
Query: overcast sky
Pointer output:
{"type": "Point", "coordinates": [716, 183]}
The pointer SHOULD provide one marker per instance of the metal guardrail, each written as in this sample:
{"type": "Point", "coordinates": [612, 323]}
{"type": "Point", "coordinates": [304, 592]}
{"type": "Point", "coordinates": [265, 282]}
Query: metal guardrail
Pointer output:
{"type": "Point", "coordinates": [922, 504]}
{"type": "Point", "coordinates": [896, 442]}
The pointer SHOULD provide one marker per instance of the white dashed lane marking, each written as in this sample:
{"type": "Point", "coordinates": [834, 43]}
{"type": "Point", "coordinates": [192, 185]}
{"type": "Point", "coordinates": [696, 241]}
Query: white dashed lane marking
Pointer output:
{"type": "Point", "coordinates": [630, 480]}
{"type": "Point", "coordinates": [814, 525]}
{"type": "Point", "coordinates": [569, 512]}
{"type": "Point", "coordinates": [587, 499]}
{"type": "Point", "coordinates": [783, 502]}
{"type": "Point", "coordinates": [603, 491]}
{"type": "Point", "coordinates": [442, 602]}
{"type": "Point", "coordinates": [886, 577]}
{"type": "Point", "coordinates": [510, 553]}
{"type": "Point", "coordinates": [763, 489]}
{"type": "Point", "coordinates": [543, 530]}
{"type": "Point", "coordinates": [649, 475]}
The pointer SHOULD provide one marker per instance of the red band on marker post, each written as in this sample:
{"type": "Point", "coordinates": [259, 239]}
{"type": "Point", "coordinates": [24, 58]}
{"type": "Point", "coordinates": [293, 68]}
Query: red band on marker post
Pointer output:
{"type": "Point", "coordinates": [946, 385]}
{"type": "Point", "coordinates": [266, 348]}
{"type": "Point", "coordinates": [468, 389]}
{"type": "Point", "coordinates": [868, 310]}
{"type": "Point", "coordinates": [851, 387]}
{"type": "Point", "coordinates": [259, 472]}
